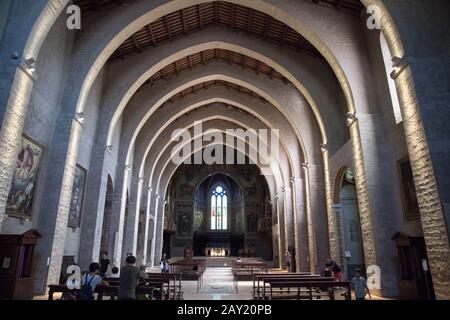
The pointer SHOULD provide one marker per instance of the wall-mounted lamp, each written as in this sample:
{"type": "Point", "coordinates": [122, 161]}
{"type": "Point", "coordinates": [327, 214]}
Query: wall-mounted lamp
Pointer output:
{"type": "Point", "coordinates": [351, 118]}
{"type": "Point", "coordinates": [79, 117]}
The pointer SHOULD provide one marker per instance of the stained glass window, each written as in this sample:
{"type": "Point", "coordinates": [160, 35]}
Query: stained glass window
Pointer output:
{"type": "Point", "coordinates": [219, 209]}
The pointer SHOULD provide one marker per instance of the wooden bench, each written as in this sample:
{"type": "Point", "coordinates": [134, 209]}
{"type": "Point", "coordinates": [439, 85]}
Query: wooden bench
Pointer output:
{"type": "Point", "coordinates": [111, 291]}
{"type": "Point", "coordinates": [258, 279]}
{"type": "Point", "coordinates": [244, 270]}
{"type": "Point", "coordinates": [302, 289]}
{"type": "Point", "coordinates": [174, 289]}
{"type": "Point", "coordinates": [267, 282]}
{"type": "Point", "coordinates": [190, 270]}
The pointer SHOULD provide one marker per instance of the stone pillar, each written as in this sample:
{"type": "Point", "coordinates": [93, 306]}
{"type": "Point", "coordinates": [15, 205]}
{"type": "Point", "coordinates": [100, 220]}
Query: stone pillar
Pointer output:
{"type": "Point", "coordinates": [131, 232]}
{"type": "Point", "coordinates": [311, 239]}
{"type": "Point", "coordinates": [362, 191]}
{"type": "Point", "coordinates": [300, 225]}
{"type": "Point", "coordinates": [118, 214]}
{"type": "Point", "coordinates": [288, 217]}
{"type": "Point", "coordinates": [329, 202]}
{"type": "Point", "coordinates": [281, 236]}
{"type": "Point", "coordinates": [153, 205]}
{"type": "Point", "coordinates": [338, 227]}
{"type": "Point", "coordinates": [143, 239]}
{"type": "Point", "coordinates": [430, 207]}
{"type": "Point", "coordinates": [12, 127]}
{"type": "Point", "coordinates": [159, 227]}
{"type": "Point", "coordinates": [39, 15]}
{"type": "Point", "coordinates": [147, 226]}
{"type": "Point", "coordinates": [319, 214]}
{"type": "Point", "coordinates": [94, 205]}
{"type": "Point", "coordinates": [57, 195]}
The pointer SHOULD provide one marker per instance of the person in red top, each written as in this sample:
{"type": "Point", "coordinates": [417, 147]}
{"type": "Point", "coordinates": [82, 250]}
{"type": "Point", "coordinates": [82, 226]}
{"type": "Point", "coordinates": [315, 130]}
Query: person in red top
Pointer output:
{"type": "Point", "coordinates": [336, 269]}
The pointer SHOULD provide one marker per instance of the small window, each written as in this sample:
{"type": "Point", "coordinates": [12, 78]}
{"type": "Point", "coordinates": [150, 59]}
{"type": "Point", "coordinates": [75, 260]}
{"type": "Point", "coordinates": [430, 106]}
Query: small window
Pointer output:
{"type": "Point", "coordinates": [387, 57]}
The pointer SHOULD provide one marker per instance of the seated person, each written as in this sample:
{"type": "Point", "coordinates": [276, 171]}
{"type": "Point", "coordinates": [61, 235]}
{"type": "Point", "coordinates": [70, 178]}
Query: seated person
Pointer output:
{"type": "Point", "coordinates": [115, 272]}
{"type": "Point", "coordinates": [144, 275]}
{"type": "Point", "coordinates": [89, 282]}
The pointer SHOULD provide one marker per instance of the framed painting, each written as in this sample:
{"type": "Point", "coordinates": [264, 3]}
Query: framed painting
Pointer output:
{"type": "Point", "coordinates": [409, 197]}
{"type": "Point", "coordinates": [25, 179]}
{"type": "Point", "coordinates": [76, 203]}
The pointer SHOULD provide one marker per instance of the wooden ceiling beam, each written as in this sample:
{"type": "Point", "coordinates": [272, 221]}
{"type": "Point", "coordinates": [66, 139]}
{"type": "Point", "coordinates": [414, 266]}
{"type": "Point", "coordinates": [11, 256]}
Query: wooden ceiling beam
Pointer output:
{"type": "Point", "coordinates": [200, 16]}
{"type": "Point", "coordinates": [267, 26]}
{"type": "Point", "coordinates": [232, 17]}
{"type": "Point", "coordinates": [283, 34]}
{"type": "Point", "coordinates": [151, 34]}
{"type": "Point", "coordinates": [183, 20]}
{"type": "Point", "coordinates": [166, 23]}
{"type": "Point", "coordinates": [216, 12]}
{"type": "Point", "coordinates": [250, 20]}
{"type": "Point", "coordinates": [136, 43]}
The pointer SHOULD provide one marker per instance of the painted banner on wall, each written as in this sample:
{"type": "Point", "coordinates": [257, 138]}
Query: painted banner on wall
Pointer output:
{"type": "Point", "coordinates": [25, 178]}
{"type": "Point", "coordinates": [76, 204]}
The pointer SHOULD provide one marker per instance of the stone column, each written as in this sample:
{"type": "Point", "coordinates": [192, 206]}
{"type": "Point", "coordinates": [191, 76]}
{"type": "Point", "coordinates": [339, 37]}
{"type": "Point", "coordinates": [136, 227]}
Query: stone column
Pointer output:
{"type": "Point", "coordinates": [431, 212]}
{"type": "Point", "coordinates": [118, 213]}
{"type": "Point", "coordinates": [143, 239]}
{"type": "Point", "coordinates": [154, 206]}
{"type": "Point", "coordinates": [94, 206]}
{"type": "Point", "coordinates": [362, 191]}
{"type": "Point", "coordinates": [159, 227]}
{"type": "Point", "coordinates": [12, 127]}
{"type": "Point", "coordinates": [329, 202]}
{"type": "Point", "coordinates": [39, 15]}
{"type": "Point", "coordinates": [131, 232]}
{"type": "Point", "coordinates": [288, 217]}
{"type": "Point", "coordinates": [319, 214]}
{"type": "Point", "coordinates": [338, 227]}
{"type": "Point", "coordinates": [281, 236]}
{"type": "Point", "coordinates": [57, 195]}
{"type": "Point", "coordinates": [311, 239]}
{"type": "Point", "coordinates": [300, 225]}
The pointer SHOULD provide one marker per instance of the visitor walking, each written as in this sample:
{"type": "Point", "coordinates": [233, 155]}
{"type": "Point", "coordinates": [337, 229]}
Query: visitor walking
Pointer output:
{"type": "Point", "coordinates": [129, 279]}
{"type": "Point", "coordinates": [359, 285]}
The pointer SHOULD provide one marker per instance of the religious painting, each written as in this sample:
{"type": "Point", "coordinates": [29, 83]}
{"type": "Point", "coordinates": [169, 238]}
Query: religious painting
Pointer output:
{"type": "Point", "coordinates": [25, 178]}
{"type": "Point", "coordinates": [410, 204]}
{"type": "Point", "coordinates": [76, 204]}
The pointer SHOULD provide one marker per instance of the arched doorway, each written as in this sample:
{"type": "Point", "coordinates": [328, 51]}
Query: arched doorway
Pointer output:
{"type": "Point", "coordinates": [107, 216]}
{"type": "Point", "coordinates": [348, 224]}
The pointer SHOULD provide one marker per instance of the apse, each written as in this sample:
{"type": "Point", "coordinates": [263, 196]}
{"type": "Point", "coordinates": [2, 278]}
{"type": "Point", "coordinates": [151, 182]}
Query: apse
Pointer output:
{"type": "Point", "coordinates": [222, 210]}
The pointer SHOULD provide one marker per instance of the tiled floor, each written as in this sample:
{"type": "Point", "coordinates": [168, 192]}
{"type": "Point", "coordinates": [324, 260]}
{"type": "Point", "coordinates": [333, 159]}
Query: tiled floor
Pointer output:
{"type": "Point", "coordinates": [217, 285]}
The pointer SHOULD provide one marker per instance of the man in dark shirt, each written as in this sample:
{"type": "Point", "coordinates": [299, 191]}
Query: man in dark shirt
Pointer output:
{"type": "Point", "coordinates": [104, 264]}
{"type": "Point", "coordinates": [129, 279]}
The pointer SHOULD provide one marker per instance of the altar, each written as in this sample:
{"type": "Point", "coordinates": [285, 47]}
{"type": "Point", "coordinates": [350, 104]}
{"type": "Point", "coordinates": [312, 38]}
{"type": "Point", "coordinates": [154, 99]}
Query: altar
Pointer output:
{"type": "Point", "coordinates": [217, 252]}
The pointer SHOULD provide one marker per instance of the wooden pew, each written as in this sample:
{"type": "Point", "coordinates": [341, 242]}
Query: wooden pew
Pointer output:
{"type": "Point", "coordinates": [172, 283]}
{"type": "Point", "coordinates": [266, 282]}
{"type": "Point", "coordinates": [174, 289]}
{"type": "Point", "coordinates": [258, 279]}
{"type": "Point", "coordinates": [110, 291]}
{"type": "Point", "coordinates": [186, 269]}
{"type": "Point", "coordinates": [286, 289]}
{"type": "Point", "coordinates": [244, 270]}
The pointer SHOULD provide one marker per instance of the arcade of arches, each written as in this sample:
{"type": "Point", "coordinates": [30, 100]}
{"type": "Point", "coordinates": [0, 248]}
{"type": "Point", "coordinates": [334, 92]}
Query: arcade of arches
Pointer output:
{"type": "Point", "coordinates": [87, 118]}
